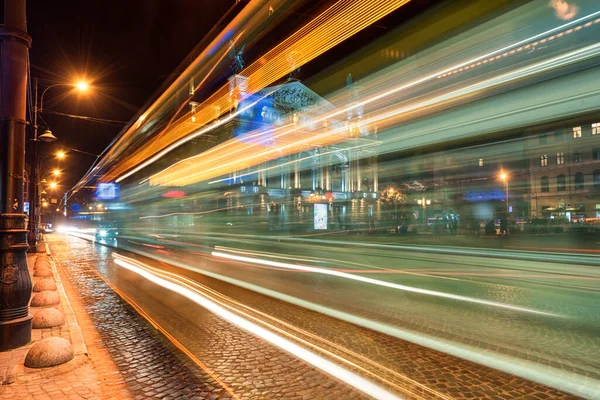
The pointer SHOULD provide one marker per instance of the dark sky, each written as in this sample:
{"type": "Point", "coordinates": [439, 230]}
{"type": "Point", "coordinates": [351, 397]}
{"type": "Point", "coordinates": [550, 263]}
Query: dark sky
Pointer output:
{"type": "Point", "coordinates": [127, 48]}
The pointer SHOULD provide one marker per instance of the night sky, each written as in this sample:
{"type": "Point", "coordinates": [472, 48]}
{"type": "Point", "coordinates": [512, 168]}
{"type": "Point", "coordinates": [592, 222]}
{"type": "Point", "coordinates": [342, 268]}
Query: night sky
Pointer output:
{"type": "Point", "coordinates": [126, 48]}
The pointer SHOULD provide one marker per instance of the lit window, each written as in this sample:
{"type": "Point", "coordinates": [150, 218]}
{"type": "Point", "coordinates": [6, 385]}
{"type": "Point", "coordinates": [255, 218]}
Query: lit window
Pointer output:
{"type": "Point", "coordinates": [577, 132]}
{"type": "Point", "coordinates": [544, 161]}
{"type": "Point", "coordinates": [481, 162]}
{"type": "Point", "coordinates": [577, 156]}
{"type": "Point", "coordinates": [560, 158]}
{"type": "Point", "coordinates": [596, 128]}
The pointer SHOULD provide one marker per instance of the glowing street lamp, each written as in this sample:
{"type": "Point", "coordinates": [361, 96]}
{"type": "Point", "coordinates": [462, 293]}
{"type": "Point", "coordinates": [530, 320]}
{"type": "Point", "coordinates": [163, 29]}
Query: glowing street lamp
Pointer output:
{"type": "Point", "coordinates": [47, 136]}
{"type": "Point", "coordinates": [60, 155]}
{"type": "Point", "coordinates": [504, 177]}
{"type": "Point", "coordinates": [56, 172]}
{"type": "Point", "coordinates": [82, 86]}
{"type": "Point", "coordinates": [53, 185]}
{"type": "Point", "coordinates": [424, 202]}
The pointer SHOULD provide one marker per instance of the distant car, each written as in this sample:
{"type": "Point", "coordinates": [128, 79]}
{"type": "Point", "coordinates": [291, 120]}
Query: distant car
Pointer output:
{"type": "Point", "coordinates": [46, 228]}
{"type": "Point", "coordinates": [106, 232]}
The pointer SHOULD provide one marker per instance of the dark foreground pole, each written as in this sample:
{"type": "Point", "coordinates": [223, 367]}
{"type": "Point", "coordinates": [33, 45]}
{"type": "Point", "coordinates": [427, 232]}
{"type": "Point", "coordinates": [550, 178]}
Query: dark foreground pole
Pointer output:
{"type": "Point", "coordinates": [15, 282]}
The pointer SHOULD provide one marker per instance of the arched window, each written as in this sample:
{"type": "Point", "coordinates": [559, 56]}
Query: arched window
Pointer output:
{"type": "Point", "coordinates": [597, 179]}
{"type": "Point", "coordinates": [579, 181]}
{"type": "Point", "coordinates": [561, 183]}
{"type": "Point", "coordinates": [545, 184]}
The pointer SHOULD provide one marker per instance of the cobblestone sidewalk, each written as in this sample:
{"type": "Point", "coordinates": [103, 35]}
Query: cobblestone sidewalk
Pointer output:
{"type": "Point", "coordinates": [90, 375]}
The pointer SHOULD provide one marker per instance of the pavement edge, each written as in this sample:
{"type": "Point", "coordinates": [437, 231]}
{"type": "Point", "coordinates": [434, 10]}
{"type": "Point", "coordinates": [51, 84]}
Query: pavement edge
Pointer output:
{"type": "Point", "coordinates": [77, 341]}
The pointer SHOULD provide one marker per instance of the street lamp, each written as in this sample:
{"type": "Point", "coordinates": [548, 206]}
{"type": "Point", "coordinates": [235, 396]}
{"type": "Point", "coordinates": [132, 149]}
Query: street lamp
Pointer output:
{"type": "Point", "coordinates": [56, 172]}
{"type": "Point", "coordinates": [424, 202]}
{"type": "Point", "coordinates": [504, 177]}
{"type": "Point", "coordinates": [47, 137]}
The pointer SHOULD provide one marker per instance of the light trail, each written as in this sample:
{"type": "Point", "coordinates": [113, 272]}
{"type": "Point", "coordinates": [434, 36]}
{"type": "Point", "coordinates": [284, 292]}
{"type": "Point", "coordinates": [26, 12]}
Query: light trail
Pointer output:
{"type": "Point", "coordinates": [254, 154]}
{"type": "Point", "coordinates": [378, 282]}
{"type": "Point", "coordinates": [550, 376]}
{"type": "Point", "coordinates": [238, 308]}
{"type": "Point", "coordinates": [319, 35]}
{"type": "Point", "coordinates": [311, 358]}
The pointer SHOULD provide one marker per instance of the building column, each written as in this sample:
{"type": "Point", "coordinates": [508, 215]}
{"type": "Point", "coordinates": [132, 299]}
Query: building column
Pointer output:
{"type": "Point", "coordinates": [358, 175]}
{"type": "Point", "coordinates": [297, 173]}
{"type": "Point", "coordinates": [375, 175]}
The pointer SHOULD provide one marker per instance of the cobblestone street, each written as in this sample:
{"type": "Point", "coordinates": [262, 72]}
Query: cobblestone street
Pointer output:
{"type": "Point", "coordinates": [235, 363]}
{"type": "Point", "coordinates": [230, 362]}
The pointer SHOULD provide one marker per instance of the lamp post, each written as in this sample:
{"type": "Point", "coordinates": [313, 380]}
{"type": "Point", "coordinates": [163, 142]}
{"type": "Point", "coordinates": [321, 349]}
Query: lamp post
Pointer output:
{"type": "Point", "coordinates": [34, 210]}
{"type": "Point", "coordinates": [15, 281]}
{"type": "Point", "coordinates": [47, 136]}
{"type": "Point", "coordinates": [424, 202]}
{"type": "Point", "coordinates": [504, 178]}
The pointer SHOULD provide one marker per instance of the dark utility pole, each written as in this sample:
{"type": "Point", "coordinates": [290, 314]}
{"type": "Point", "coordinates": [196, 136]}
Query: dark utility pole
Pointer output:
{"type": "Point", "coordinates": [15, 282]}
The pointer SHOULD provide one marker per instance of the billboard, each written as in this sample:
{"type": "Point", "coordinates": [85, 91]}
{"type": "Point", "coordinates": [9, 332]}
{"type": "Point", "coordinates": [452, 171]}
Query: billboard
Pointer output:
{"type": "Point", "coordinates": [320, 216]}
{"type": "Point", "coordinates": [107, 191]}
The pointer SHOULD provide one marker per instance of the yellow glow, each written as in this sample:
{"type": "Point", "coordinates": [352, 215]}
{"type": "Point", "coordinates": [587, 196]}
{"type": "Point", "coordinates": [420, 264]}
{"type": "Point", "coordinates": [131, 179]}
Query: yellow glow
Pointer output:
{"type": "Point", "coordinates": [44, 204]}
{"type": "Point", "coordinates": [82, 86]}
{"type": "Point", "coordinates": [56, 172]}
{"type": "Point", "coordinates": [503, 176]}
{"type": "Point", "coordinates": [60, 154]}
{"type": "Point", "coordinates": [53, 185]}
{"type": "Point", "coordinates": [313, 39]}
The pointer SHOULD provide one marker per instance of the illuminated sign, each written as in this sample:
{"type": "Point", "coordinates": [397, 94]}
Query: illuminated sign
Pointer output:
{"type": "Point", "coordinates": [26, 207]}
{"type": "Point", "coordinates": [107, 191]}
{"type": "Point", "coordinates": [320, 221]}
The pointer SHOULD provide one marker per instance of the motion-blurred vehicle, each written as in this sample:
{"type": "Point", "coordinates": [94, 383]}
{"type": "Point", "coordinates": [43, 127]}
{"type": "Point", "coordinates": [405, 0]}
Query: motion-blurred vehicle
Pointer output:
{"type": "Point", "coordinates": [106, 231]}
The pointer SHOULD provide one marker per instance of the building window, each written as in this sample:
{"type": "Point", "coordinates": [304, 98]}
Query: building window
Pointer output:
{"type": "Point", "coordinates": [543, 138]}
{"type": "Point", "coordinates": [596, 128]}
{"type": "Point", "coordinates": [597, 179]}
{"type": "Point", "coordinates": [596, 153]}
{"type": "Point", "coordinates": [576, 132]}
{"type": "Point", "coordinates": [561, 185]}
{"type": "Point", "coordinates": [560, 158]}
{"type": "Point", "coordinates": [579, 181]}
{"type": "Point", "coordinates": [544, 161]}
{"type": "Point", "coordinates": [577, 156]}
{"type": "Point", "coordinates": [481, 162]}
{"type": "Point", "coordinates": [544, 184]}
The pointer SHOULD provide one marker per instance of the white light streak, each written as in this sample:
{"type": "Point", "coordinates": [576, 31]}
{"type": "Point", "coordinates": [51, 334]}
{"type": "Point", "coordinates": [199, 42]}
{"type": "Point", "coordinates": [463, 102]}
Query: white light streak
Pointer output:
{"type": "Point", "coordinates": [376, 282]}
{"type": "Point", "coordinates": [317, 361]}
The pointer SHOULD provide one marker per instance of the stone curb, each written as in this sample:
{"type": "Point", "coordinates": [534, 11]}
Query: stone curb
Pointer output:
{"type": "Point", "coordinates": [35, 374]}
{"type": "Point", "coordinates": [77, 341]}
